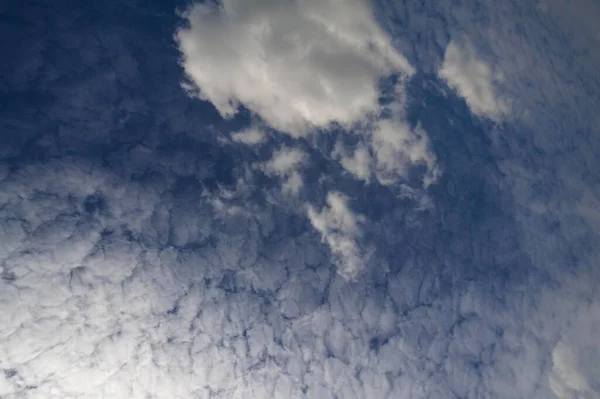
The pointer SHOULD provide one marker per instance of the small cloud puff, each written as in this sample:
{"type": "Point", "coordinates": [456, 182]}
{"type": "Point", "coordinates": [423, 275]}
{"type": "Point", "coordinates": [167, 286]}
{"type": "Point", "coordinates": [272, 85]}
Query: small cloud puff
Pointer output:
{"type": "Point", "coordinates": [473, 79]}
{"type": "Point", "coordinates": [250, 136]}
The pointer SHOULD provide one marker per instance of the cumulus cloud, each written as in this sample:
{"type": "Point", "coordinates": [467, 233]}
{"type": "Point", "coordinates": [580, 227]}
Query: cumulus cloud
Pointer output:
{"type": "Point", "coordinates": [339, 228]}
{"type": "Point", "coordinates": [473, 79]}
{"type": "Point", "coordinates": [299, 65]}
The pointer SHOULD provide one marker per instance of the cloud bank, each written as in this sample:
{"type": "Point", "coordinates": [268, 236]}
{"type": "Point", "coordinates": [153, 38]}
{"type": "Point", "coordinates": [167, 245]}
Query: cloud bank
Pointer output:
{"type": "Point", "coordinates": [141, 257]}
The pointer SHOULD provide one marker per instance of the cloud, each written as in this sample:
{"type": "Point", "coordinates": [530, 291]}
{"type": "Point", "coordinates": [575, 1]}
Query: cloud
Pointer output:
{"type": "Point", "coordinates": [304, 67]}
{"type": "Point", "coordinates": [129, 268]}
{"type": "Point", "coordinates": [250, 136]}
{"type": "Point", "coordinates": [473, 79]}
{"type": "Point", "coordinates": [285, 163]}
{"type": "Point", "coordinates": [339, 228]}
{"type": "Point", "coordinates": [576, 357]}
{"type": "Point", "coordinates": [568, 379]}
{"type": "Point", "coordinates": [358, 162]}
{"type": "Point", "coordinates": [397, 147]}
{"type": "Point", "coordinates": [298, 65]}
{"type": "Point", "coordinates": [389, 151]}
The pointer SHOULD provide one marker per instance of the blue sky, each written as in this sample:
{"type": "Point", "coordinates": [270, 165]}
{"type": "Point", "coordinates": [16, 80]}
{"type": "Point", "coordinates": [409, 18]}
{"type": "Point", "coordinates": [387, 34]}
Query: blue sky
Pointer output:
{"type": "Point", "coordinates": [309, 199]}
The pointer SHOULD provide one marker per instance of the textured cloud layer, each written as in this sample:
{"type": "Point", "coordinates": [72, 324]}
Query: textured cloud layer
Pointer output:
{"type": "Point", "coordinates": [143, 254]}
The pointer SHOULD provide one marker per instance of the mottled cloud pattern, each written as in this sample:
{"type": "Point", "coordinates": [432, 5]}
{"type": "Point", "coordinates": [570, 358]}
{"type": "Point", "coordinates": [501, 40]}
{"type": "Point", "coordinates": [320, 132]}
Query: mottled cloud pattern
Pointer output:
{"type": "Point", "coordinates": [395, 232]}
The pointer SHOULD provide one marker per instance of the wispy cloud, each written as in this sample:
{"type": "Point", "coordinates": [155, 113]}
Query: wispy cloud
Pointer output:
{"type": "Point", "coordinates": [340, 229]}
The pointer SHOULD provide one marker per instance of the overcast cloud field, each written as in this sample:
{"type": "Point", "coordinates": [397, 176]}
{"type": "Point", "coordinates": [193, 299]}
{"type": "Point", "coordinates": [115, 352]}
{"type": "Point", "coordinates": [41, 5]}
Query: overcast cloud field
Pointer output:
{"type": "Point", "coordinates": [326, 199]}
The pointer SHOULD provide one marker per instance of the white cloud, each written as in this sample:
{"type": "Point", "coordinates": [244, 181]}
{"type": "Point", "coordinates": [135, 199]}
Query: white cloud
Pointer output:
{"type": "Point", "coordinates": [250, 136]}
{"type": "Point", "coordinates": [473, 79]}
{"type": "Point", "coordinates": [302, 66]}
{"type": "Point", "coordinates": [390, 149]}
{"type": "Point", "coordinates": [576, 357]}
{"type": "Point", "coordinates": [567, 379]}
{"type": "Point", "coordinates": [86, 315]}
{"type": "Point", "coordinates": [293, 183]}
{"type": "Point", "coordinates": [396, 147]}
{"type": "Point", "coordinates": [297, 64]}
{"type": "Point", "coordinates": [285, 163]}
{"type": "Point", "coordinates": [339, 227]}
{"type": "Point", "coordinates": [358, 162]}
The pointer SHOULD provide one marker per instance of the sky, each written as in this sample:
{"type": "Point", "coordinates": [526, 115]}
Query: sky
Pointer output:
{"type": "Point", "coordinates": [300, 199]}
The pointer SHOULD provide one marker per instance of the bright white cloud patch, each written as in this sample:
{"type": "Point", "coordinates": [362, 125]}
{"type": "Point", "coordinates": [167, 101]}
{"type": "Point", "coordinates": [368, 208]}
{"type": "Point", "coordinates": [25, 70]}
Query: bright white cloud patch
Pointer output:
{"type": "Point", "coordinates": [339, 227]}
{"type": "Point", "coordinates": [250, 136]}
{"type": "Point", "coordinates": [473, 79]}
{"type": "Point", "coordinates": [297, 64]}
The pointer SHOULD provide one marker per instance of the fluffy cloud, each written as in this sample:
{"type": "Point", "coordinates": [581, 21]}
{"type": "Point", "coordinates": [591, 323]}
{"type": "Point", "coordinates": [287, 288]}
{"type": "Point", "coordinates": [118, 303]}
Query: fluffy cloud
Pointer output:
{"type": "Point", "coordinates": [474, 80]}
{"type": "Point", "coordinates": [299, 65]}
{"type": "Point", "coordinates": [250, 136]}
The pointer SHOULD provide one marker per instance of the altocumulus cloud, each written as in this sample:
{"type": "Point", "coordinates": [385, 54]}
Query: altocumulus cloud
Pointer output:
{"type": "Point", "coordinates": [145, 252]}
